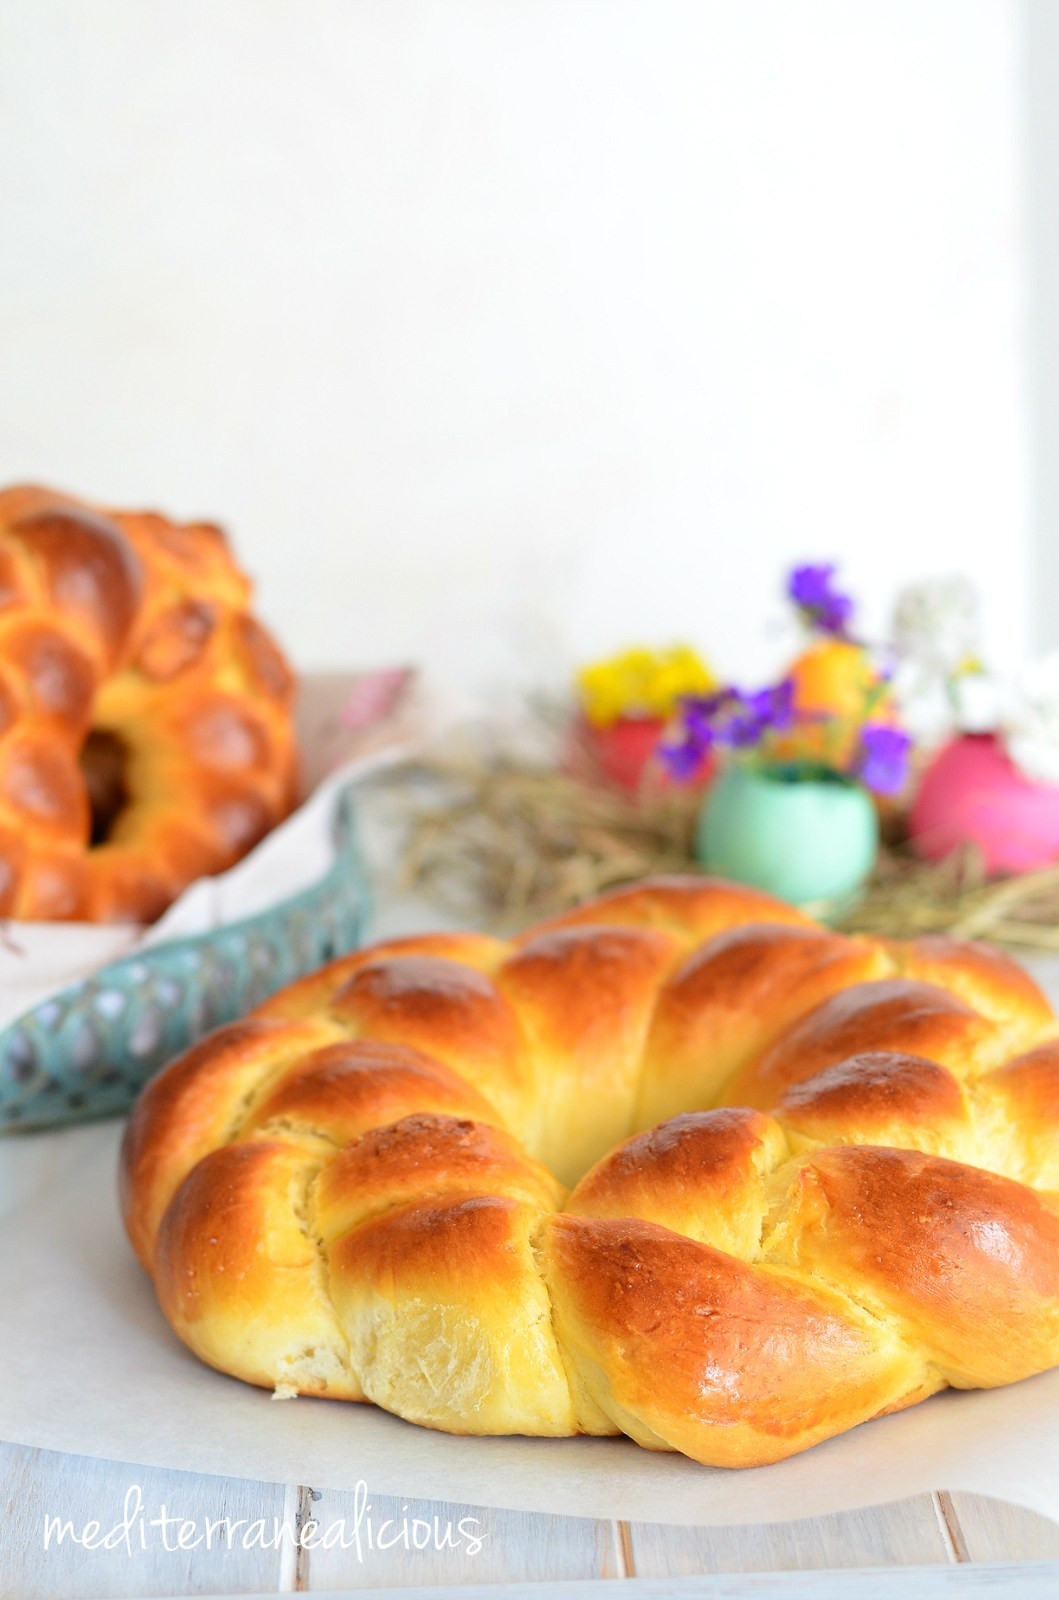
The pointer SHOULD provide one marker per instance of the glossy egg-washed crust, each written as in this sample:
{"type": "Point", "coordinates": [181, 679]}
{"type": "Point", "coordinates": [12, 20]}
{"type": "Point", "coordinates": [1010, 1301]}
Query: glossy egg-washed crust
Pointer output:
{"type": "Point", "coordinates": [842, 1199]}
{"type": "Point", "coordinates": [127, 625]}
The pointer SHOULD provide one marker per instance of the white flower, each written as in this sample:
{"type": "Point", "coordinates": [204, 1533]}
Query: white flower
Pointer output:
{"type": "Point", "coordinates": [937, 627]}
{"type": "Point", "coordinates": [926, 707]}
{"type": "Point", "coordinates": [976, 700]}
{"type": "Point", "coordinates": [937, 677]}
{"type": "Point", "coordinates": [1030, 722]}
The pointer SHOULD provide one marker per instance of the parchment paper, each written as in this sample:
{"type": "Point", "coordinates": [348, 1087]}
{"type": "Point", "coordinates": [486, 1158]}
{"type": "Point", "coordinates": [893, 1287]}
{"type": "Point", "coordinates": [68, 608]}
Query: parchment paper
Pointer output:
{"type": "Point", "coordinates": [90, 1366]}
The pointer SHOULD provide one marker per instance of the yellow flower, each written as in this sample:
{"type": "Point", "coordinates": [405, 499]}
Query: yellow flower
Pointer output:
{"type": "Point", "coordinates": [641, 683]}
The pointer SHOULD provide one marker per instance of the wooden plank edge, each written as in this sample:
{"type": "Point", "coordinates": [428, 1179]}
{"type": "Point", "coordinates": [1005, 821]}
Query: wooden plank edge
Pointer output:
{"type": "Point", "coordinates": [1009, 1580]}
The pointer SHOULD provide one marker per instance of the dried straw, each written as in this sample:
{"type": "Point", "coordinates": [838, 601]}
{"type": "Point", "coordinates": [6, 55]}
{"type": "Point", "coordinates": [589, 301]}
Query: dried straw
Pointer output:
{"type": "Point", "coordinates": [906, 897]}
{"type": "Point", "coordinates": [522, 841]}
{"type": "Point", "coordinates": [509, 837]}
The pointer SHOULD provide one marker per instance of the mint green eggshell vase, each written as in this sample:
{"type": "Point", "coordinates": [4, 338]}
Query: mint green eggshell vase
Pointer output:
{"type": "Point", "coordinates": [809, 840]}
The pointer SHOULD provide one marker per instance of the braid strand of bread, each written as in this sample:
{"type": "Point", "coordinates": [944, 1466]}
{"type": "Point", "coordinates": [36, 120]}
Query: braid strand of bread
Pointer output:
{"type": "Point", "coordinates": [815, 1178]}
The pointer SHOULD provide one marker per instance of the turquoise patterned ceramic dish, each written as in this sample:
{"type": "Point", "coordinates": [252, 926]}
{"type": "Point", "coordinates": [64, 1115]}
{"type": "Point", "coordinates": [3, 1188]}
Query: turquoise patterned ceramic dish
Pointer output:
{"type": "Point", "coordinates": [86, 1051]}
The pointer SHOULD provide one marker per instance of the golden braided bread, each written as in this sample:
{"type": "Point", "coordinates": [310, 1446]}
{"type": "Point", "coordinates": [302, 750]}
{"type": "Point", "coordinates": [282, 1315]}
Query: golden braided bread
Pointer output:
{"type": "Point", "coordinates": [145, 716]}
{"type": "Point", "coordinates": [851, 1205]}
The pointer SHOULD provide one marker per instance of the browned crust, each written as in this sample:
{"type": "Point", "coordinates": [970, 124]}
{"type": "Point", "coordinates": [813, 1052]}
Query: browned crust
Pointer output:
{"type": "Point", "coordinates": [965, 1262]}
{"type": "Point", "coordinates": [692, 909]}
{"type": "Point", "coordinates": [731, 997]}
{"type": "Point", "coordinates": [127, 623]}
{"type": "Point", "coordinates": [346, 1192]}
{"type": "Point", "coordinates": [893, 1014]}
{"type": "Point", "coordinates": [729, 1363]}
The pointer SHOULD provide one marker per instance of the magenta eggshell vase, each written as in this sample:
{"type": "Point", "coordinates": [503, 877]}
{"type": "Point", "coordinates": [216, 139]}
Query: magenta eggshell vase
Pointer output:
{"type": "Point", "coordinates": [972, 792]}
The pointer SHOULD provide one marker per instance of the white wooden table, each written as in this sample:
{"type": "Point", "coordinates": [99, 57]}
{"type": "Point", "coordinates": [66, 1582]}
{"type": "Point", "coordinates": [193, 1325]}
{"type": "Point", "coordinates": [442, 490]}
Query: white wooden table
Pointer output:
{"type": "Point", "coordinates": [936, 1546]}
{"type": "Point", "coordinates": [933, 1545]}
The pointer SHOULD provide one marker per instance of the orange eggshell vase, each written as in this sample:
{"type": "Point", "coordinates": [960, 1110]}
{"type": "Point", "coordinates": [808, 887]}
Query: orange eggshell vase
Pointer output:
{"type": "Point", "coordinates": [972, 792]}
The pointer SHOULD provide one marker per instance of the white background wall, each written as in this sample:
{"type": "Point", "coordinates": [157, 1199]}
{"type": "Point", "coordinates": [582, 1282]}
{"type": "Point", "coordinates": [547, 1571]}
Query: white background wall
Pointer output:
{"type": "Point", "coordinates": [500, 332]}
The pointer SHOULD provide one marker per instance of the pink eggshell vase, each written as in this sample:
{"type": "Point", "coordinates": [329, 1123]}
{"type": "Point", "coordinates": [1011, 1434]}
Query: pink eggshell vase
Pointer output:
{"type": "Point", "coordinates": [972, 792]}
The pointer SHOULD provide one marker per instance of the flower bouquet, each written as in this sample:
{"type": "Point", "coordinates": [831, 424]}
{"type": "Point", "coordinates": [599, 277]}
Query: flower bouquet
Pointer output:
{"type": "Point", "coordinates": [791, 810]}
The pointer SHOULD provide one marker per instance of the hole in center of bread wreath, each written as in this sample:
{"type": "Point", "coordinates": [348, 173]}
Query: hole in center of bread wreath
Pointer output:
{"type": "Point", "coordinates": [681, 1164]}
{"type": "Point", "coordinates": [104, 762]}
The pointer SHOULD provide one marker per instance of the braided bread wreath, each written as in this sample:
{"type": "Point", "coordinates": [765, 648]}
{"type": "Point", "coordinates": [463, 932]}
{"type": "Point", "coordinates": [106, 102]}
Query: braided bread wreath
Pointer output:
{"type": "Point", "coordinates": [145, 716]}
{"type": "Point", "coordinates": [851, 1201]}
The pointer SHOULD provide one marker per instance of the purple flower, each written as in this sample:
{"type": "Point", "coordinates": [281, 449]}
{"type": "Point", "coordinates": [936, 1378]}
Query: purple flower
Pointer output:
{"type": "Point", "coordinates": [753, 715]}
{"type": "Point", "coordinates": [882, 761]}
{"type": "Point", "coordinates": [811, 589]}
{"type": "Point", "coordinates": [743, 728]}
{"type": "Point", "coordinates": [731, 718]}
{"type": "Point", "coordinates": [682, 761]}
{"type": "Point", "coordinates": [775, 706]}
{"type": "Point", "coordinates": [702, 714]}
